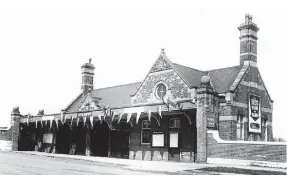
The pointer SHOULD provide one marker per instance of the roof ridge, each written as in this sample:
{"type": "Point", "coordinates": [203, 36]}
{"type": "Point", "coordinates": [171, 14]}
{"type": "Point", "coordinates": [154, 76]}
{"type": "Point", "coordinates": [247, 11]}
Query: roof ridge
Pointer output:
{"type": "Point", "coordinates": [188, 67]}
{"type": "Point", "coordinates": [117, 85]}
{"type": "Point", "coordinates": [223, 68]}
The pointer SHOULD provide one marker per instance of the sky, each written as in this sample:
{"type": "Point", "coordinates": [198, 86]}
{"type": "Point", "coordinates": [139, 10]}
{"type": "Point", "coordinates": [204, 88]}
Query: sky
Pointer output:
{"type": "Point", "coordinates": [43, 45]}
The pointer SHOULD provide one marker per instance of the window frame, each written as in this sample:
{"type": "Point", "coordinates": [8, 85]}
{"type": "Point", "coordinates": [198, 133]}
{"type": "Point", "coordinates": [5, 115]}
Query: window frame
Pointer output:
{"type": "Point", "coordinates": [174, 127]}
{"type": "Point", "coordinates": [143, 129]}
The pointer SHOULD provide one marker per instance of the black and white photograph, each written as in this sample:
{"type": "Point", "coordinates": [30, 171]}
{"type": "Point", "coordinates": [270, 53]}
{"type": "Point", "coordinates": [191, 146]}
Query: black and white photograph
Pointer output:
{"type": "Point", "coordinates": [122, 87]}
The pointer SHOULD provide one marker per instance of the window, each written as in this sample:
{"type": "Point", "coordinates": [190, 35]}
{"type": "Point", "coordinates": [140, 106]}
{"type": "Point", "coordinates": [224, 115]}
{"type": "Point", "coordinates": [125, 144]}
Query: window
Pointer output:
{"type": "Point", "coordinates": [161, 90]}
{"type": "Point", "coordinates": [146, 132]}
{"type": "Point", "coordinates": [174, 123]}
{"type": "Point", "coordinates": [240, 127]}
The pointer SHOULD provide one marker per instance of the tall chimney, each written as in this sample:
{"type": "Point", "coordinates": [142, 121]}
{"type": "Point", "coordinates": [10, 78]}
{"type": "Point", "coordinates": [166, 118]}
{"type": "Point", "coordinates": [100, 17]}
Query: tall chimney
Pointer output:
{"type": "Point", "coordinates": [248, 41]}
{"type": "Point", "coordinates": [87, 76]}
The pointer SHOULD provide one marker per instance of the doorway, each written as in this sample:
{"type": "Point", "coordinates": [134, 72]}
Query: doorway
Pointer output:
{"type": "Point", "coordinates": [100, 139]}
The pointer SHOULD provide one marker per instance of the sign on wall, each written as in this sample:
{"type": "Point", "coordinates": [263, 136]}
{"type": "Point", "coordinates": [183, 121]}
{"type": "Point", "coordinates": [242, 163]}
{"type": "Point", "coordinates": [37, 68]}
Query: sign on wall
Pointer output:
{"type": "Point", "coordinates": [254, 114]}
{"type": "Point", "coordinates": [173, 139]}
{"type": "Point", "coordinates": [48, 138]}
{"type": "Point", "coordinates": [158, 139]}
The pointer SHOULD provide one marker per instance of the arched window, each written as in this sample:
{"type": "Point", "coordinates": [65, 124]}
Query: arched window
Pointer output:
{"type": "Point", "coordinates": [146, 132]}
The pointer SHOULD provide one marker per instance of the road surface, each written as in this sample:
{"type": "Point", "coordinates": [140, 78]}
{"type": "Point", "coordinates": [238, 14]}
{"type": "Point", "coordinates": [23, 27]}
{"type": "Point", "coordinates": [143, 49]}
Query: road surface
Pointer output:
{"type": "Point", "coordinates": [17, 163]}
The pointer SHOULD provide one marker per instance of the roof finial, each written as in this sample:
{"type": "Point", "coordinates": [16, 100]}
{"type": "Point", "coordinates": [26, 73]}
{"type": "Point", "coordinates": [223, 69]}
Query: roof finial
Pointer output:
{"type": "Point", "coordinates": [162, 50]}
{"type": "Point", "coordinates": [90, 60]}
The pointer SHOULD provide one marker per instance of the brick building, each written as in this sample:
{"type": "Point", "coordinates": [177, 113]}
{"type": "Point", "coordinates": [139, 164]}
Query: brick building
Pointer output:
{"type": "Point", "coordinates": [176, 113]}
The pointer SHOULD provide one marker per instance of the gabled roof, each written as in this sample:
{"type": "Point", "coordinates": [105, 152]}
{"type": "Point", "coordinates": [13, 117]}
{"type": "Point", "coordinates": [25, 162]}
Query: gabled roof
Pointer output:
{"type": "Point", "coordinates": [190, 75]}
{"type": "Point", "coordinates": [116, 96]}
{"type": "Point", "coordinates": [223, 78]}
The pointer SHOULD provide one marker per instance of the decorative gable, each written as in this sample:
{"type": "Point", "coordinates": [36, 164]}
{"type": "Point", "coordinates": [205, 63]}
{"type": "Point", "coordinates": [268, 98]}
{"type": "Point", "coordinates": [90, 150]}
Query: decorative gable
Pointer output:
{"type": "Point", "coordinates": [160, 65]}
{"type": "Point", "coordinates": [162, 72]}
{"type": "Point", "coordinates": [90, 103]}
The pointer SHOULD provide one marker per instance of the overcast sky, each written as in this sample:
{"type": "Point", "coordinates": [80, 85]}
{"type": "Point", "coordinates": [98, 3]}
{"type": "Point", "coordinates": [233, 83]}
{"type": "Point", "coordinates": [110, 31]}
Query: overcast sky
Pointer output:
{"type": "Point", "coordinates": [43, 45]}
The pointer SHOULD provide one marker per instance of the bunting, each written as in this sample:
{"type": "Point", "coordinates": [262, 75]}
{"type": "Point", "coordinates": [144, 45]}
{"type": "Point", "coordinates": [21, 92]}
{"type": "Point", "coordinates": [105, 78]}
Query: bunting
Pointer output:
{"type": "Point", "coordinates": [78, 120]}
{"type": "Point", "coordinates": [28, 120]}
{"type": "Point", "coordinates": [159, 111]}
{"type": "Point", "coordinates": [56, 123]}
{"type": "Point", "coordinates": [36, 123]}
{"type": "Point", "coordinates": [129, 117]}
{"type": "Point", "coordinates": [51, 122]}
{"type": "Point", "coordinates": [138, 117]}
{"type": "Point", "coordinates": [120, 117]}
{"type": "Point", "coordinates": [149, 115]}
{"type": "Point", "coordinates": [72, 120]}
{"type": "Point", "coordinates": [92, 120]}
{"type": "Point", "coordinates": [42, 123]}
{"type": "Point", "coordinates": [85, 119]}
{"type": "Point", "coordinates": [100, 116]}
{"type": "Point", "coordinates": [46, 122]}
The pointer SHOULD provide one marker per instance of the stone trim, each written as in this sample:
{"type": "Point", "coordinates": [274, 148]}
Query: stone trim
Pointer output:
{"type": "Point", "coordinates": [221, 141]}
{"type": "Point", "coordinates": [268, 123]}
{"type": "Point", "coordinates": [223, 118]}
{"type": "Point", "coordinates": [238, 104]}
{"type": "Point", "coordinates": [266, 110]}
{"type": "Point", "coordinates": [239, 77]}
{"type": "Point", "coordinates": [243, 54]}
{"type": "Point", "coordinates": [251, 63]}
{"type": "Point", "coordinates": [252, 84]}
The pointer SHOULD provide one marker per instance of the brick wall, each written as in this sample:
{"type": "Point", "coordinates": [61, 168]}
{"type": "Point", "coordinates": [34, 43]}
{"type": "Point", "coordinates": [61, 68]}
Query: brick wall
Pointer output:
{"type": "Point", "coordinates": [244, 150]}
{"type": "Point", "coordinates": [6, 135]}
{"type": "Point", "coordinates": [140, 151]}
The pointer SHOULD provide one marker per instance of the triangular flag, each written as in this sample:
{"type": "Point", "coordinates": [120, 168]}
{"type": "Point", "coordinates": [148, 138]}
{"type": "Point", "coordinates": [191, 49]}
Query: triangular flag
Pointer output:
{"type": "Point", "coordinates": [85, 119]}
{"type": "Point", "coordinates": [28, 121]}
{"type": "Point", "coordinates": [100, 116]}
{"type": "Point", "coordinates": [120, 117]}
{"type": "Point", "coordinates": [36, 123]}
{"type": "Point", "coordinates": [92, 120]}
{"type": "Point", "coordinates": [78, 120]}
{"type": "Point", "coordinates": [149, 115]}
{"type": "Point", "coordinates": [46, 122]}
{"type": "Point", "coordinates": [72, 120]}
{"type": "Point", "coordinates": [56, 123]}
{"type": "Point", "coordinates": [138, 117]}
{"type": "Point", "coordinates": [65, 118]}
{"type": "Point", "coordinates": [129, 117]}
{"type": "Point", "coordinates": [42, 123]}
{"type": "Point", "coordinates": [159, 111]}
{"type": "Point", "coordinates": [51, 123]}
{"type": "Point", "coordinates": [104, 115]}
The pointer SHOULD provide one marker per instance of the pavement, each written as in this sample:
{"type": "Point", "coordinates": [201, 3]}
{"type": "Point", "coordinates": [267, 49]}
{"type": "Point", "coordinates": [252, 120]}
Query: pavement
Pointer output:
{"type": "Point", "coordinates": [30, 162]}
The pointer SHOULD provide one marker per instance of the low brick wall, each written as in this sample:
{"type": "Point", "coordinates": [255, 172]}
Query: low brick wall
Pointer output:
{"type": "Point", "coordinates": [6, 135]}
{"type": "Point", "coordinates": [5, 145]}
{"type": "Point", "coordinates": [244, 150]}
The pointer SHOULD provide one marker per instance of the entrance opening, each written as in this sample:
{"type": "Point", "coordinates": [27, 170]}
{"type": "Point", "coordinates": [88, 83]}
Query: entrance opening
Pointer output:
{"type": "Point", "coordinates": [26, 138]}
{"type": "Point", "coordinates": [120, 136]}
{"type": "Point", "coordinates": [63, 139]}
{"type": "Point", "coordinates": [80, 139]}
{"type": "Point", "coordinates": [100, 139]}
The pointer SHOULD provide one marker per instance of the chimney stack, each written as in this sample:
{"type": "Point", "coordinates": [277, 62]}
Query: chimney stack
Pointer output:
{"type": "Point", "coordinates": [87, 77]}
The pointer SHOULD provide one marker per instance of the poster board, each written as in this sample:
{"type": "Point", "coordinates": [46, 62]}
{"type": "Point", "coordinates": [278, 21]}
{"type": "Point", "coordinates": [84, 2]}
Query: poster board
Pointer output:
{"type": "Point", "coordinates": [48, 138]}
{"type": "Point", "coordinates": [254, 113]}
{"type": "Point", "coordinates": [158, 139]}
{"type": "Point", "coordinates": [173, 139]}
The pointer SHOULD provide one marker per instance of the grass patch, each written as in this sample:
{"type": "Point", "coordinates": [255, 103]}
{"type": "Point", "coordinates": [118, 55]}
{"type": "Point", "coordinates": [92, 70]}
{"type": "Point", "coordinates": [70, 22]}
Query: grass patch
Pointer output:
{"type": "Point", "coordinates": [241, 171]}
